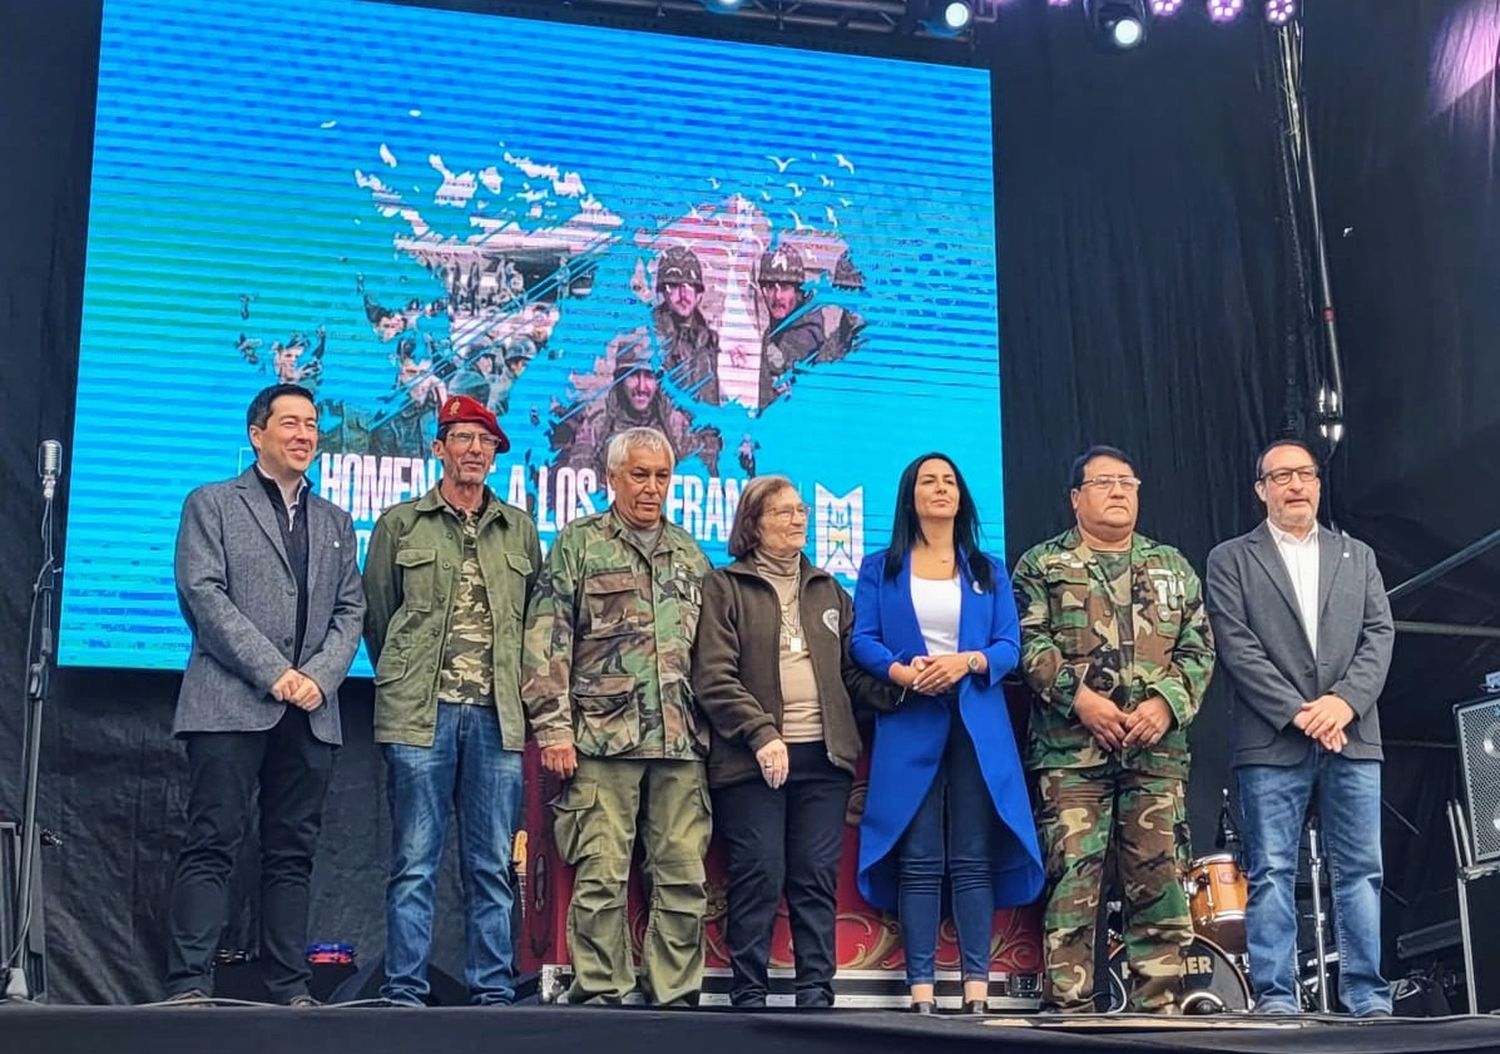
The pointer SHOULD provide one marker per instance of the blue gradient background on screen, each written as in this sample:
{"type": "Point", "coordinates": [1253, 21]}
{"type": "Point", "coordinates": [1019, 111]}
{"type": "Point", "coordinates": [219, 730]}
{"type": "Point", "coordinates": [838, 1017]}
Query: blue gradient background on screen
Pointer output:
{"type": "Point", "coordinates": [228, 138]}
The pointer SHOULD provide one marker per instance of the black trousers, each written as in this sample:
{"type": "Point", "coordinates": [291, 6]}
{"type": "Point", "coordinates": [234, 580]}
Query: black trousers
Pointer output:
{"type": "Point", "coordinates": [292, 768]}
{"type": "Point", "coordinates": [784, 841]}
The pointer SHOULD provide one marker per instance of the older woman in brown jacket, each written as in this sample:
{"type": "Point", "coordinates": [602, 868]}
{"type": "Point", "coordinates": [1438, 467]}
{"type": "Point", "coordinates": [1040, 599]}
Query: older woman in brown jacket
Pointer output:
{"type": "Point", "coordinates": [772, 671]}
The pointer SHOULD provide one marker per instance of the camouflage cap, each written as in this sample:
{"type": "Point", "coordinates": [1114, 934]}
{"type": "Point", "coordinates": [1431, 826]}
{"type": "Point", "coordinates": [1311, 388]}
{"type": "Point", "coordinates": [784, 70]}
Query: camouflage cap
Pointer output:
{"type": "Point", "coordinates": [782, 265]}
{"type": "Point", "coordinates": [634, 355]}
{"type": "Point", "coordinates": [679, 265]}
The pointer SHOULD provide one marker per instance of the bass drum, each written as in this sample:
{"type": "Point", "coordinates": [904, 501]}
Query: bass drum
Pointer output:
{"type": "Point", "coordinates": [1211, 982]}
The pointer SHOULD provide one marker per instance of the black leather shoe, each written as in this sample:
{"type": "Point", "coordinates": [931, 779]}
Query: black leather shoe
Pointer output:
{"type": "Point", "coordinates": [976, 1006]}
{"type": "Point", "coordinates": [923, 1006]}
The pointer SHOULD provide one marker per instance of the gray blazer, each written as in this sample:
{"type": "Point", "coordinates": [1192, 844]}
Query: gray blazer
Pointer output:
{"type": "Point", "coordinates": [238, 594]}
{"type": "Point", "coordinates": [1264, 651]}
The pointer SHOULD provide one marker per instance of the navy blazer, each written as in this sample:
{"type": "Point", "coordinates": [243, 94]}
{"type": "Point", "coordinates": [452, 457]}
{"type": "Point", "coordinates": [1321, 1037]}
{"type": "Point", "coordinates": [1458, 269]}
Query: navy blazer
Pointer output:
{"type": "Point", "coordinates": [909, 742]}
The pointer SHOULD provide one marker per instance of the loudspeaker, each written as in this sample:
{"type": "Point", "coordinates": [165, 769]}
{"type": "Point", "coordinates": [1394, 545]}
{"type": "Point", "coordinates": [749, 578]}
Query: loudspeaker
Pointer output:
{"type": "Point", "coordinates": [10, 878]}
{"type": "Point", "coordinates": [1479, 757]}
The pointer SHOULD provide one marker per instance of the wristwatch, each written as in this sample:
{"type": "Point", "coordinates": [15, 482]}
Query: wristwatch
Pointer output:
{"type": "Point", "coordinates": [974, 662]}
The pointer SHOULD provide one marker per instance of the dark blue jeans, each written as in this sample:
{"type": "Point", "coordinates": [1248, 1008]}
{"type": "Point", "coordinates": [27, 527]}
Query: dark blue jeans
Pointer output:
{"type": "Point", "coordinates": [952, 833]}
{"type": "Point", "coordinates": [1274, 802]}
{"type": "Point", "coordinates": [466, 770]}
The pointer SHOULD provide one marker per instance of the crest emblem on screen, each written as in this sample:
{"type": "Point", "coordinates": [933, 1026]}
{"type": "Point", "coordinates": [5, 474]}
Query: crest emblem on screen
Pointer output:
{"type": "Point", "coordinates": [839, 534]}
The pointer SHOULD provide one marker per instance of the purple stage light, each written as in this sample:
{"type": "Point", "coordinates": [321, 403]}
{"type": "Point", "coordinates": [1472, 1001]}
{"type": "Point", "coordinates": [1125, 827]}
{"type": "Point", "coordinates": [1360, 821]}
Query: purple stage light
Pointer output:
{"type": "Point", "coordinates": [1163, 8]}
{"type": "Point", "coordinates": [1225, 10]}
{"type": "Point", "coordinates": [1280, 12]}
{"type": "Point", "coordinates": [1058, 3]}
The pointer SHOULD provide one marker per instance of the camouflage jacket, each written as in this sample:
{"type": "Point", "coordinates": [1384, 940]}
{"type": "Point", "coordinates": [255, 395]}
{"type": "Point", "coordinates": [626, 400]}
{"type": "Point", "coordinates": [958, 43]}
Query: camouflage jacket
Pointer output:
{"type": "Point", "coordinates": [609, 639]}
{"type": "Point", "coordinates": [412, 581]}
{"type": "Point", "coordinates": [690, 353]}
{"type": "Point", "coordinates": [1070, 635]}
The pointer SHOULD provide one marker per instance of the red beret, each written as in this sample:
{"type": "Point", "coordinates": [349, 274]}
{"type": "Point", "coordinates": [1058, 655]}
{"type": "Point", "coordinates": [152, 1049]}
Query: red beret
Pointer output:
{"type": "Point", "coordinates": [462, 408]}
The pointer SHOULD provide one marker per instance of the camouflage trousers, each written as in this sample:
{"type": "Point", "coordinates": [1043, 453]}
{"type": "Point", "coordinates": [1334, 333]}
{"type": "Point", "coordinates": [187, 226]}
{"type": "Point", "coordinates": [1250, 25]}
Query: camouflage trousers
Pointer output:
{"type": "Point", "coordinates": [595, 821]}
{"type": "Point", "coordinates": [1087, 818]}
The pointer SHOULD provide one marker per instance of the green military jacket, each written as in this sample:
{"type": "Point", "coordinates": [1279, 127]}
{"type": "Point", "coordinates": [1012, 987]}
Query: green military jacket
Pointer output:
{"type": "Point", "coordinates": [1071, 636]}
{"type": "Point", "coordinates": [609, 640]}
{"type": "Point", "coordinates": [411, 576]}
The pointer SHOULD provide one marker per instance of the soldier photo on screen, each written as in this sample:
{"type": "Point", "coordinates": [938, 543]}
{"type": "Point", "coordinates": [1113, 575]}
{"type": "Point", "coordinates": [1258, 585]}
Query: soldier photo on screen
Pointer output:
{"type": "Point", "coordinates": [630, 397]}
{"type": "Point", "coordinates": [796, 331]}
{"type": "Point", "coordinates": [689, 345]}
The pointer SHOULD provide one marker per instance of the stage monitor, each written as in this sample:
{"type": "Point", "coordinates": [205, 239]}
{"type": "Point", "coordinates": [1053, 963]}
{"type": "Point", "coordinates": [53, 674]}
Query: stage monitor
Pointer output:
{"type": "Point", "coordinates": [783, 259]}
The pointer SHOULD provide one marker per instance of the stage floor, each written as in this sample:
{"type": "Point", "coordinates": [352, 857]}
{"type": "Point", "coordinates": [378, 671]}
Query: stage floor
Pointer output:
{"type": "Point", "coordinates": [231, 1030]}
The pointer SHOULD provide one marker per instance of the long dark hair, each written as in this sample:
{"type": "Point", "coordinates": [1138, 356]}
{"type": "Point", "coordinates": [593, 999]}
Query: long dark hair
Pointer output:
{"type": "Point", "coordinates": [906, 529]}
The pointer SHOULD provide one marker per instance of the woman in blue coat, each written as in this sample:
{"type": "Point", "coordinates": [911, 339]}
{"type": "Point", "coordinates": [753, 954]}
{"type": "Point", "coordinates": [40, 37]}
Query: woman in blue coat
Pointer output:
{"type": "Point", "coordinates": [947, 794]}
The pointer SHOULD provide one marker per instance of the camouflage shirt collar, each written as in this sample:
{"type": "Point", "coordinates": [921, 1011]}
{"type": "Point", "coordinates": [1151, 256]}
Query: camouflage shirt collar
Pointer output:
{"type": "Point", "coordinates": [493, 507]}
{"type": "Point", "coordinates": [671, 534]}
{"type": "Point", "coordinates": [1072, 541]}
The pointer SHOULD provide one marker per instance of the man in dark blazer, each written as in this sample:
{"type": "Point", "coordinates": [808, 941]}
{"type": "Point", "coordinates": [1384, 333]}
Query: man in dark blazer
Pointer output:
{"type": "Point", "coordinates": [268, 583]}
{"type": "Point", "coordinates": [1304, 633]}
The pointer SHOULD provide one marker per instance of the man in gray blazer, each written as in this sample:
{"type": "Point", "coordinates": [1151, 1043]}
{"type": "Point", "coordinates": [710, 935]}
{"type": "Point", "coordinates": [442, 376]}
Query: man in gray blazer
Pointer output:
{"type": "Point", "coordinates": [268, 583]}
{"type": "Point", "coordinates": [1304, 634]}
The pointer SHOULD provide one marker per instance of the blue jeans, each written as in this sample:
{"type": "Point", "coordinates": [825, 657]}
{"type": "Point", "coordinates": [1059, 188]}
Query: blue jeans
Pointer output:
{"type": "Point", "coordinates": [951, 832]}
{"type": "Point", "coordinates": [467, 769]}
{"type": "Point", "coordinates": [1273, 800]}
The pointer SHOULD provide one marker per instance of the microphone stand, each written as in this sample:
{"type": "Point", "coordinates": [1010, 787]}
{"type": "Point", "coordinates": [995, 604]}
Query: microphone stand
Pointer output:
{"type": "Point", "coordinates": [40, 654]}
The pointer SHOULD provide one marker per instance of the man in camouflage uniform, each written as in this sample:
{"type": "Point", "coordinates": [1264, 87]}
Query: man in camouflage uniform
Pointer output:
{"type": "Point", "coordinates": [608, 693]}
{"type": "Point", "coordinates": [633, 400]}
{"type": "Point", "coordinates": [796, 332]}
{"type": "Point", "coordinates": [447, 580]}
{"type": "Point", "coordinates": [1115, 642]}
{"type": "Point", "coordinates": [690, 348]}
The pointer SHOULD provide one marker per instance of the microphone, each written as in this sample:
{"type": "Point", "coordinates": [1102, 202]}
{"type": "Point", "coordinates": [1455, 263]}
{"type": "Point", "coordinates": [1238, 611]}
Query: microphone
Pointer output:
{"type": "Point", "coordinates": [49, 466]}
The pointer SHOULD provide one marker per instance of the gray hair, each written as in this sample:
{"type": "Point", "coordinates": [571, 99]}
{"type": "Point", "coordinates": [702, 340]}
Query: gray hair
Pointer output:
{"type": "Point", "coordinates": [622, 443]}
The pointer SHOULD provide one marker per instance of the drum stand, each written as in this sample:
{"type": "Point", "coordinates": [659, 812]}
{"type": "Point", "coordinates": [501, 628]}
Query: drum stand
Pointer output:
{"type": "Point", "coordinates": [1315, 866]}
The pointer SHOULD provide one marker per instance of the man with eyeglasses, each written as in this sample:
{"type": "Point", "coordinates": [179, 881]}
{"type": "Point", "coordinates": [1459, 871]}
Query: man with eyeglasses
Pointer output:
{"type": "Point", "coordinates": [1305, 634]}
{"type": "Point", "coordinates": [447, 578]}
{"type": "Point", "coordinates": [1116, 645]}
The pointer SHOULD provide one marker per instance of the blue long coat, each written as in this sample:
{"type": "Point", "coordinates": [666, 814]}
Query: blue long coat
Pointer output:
{"type": "Point", "coordinates": [909, 742]}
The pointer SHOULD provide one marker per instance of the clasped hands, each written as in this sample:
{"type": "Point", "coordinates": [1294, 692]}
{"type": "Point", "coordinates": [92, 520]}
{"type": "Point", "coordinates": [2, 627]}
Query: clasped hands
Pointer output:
{"type": "Point", "coordinates": [1116, 729]}
{"type": "Point", "coordinates": [934, 674]}
{"type": "Point", "coordinates": [1324, 719]}
{"type": "Point", "coordinates": [298, 689]}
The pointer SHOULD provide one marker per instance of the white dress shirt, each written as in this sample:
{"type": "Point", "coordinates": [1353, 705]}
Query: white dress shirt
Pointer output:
{"type": "Point", "coordinates": [1300, 555]}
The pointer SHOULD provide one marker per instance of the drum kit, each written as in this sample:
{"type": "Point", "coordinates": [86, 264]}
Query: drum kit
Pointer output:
{"type": "Point", "coordinates": [1215, 963]}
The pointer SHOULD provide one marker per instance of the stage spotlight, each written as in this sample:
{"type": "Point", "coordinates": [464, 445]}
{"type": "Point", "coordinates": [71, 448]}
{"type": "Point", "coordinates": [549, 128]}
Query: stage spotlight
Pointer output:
{"type": "Point", "coordinates": [1165, 8]}
{"type": "Point", "coordinates": [722, 5]}
{"type": "Point", "coordinates": [957, 15]}
{"type": "Point", "coordinates": [1116, 25]}
{"type": "Point", "coordinates": [1058, 3]}
{"type": "Point", "coordinates": [1280, 12]}
{"type": "Point", "coordinates": [1225, 10]}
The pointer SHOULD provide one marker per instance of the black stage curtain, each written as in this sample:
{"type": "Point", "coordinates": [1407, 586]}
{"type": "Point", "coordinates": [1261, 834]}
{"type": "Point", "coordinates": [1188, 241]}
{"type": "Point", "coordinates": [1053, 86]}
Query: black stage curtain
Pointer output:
{"type": "Point", "coordinates": [1151, 298]}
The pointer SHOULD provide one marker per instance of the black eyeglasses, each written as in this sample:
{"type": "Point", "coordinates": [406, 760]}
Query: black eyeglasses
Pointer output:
{"type": "Point", "coordinates": [1282, 476]}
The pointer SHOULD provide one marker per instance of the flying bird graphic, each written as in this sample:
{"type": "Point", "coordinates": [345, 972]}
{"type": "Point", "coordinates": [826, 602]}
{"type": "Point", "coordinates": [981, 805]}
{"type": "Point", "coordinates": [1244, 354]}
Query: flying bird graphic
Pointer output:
{"type": "Point", "coordinates": [844, 162]}
{"type": "Point", "coordinates": [781, 165]}
{"type": "Point", "coordinates": [796, 189]}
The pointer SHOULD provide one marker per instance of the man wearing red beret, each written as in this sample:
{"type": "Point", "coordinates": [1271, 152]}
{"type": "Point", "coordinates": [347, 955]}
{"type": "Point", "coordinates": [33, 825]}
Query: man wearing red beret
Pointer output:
{"type": "Point", "coordinates": [447, 577]}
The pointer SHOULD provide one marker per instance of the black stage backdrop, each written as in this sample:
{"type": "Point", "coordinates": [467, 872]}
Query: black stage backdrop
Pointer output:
{"type": "Point", "coordinates": [1150, 299]}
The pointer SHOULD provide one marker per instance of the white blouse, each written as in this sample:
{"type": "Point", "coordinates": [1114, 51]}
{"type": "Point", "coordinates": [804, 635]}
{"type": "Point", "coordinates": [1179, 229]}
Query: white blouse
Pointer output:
{"type": "Point", "coordinates": [937, 603]}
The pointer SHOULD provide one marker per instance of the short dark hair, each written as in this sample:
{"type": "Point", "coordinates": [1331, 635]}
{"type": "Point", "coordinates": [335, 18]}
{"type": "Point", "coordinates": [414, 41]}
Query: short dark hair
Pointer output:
{"type": "Point", "coordinates": [259, 411]}
{"type": "Point", "coordinates": [1081, 462]}
{"type": "Point", "coordinates": [744, 535]}
{"type": "Point", "coordinates": [1300, 444]}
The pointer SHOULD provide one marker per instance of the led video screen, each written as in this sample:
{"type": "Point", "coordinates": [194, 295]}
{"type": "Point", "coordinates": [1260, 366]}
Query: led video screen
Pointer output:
{"type": "Point", "coordinates": [784, 259]}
